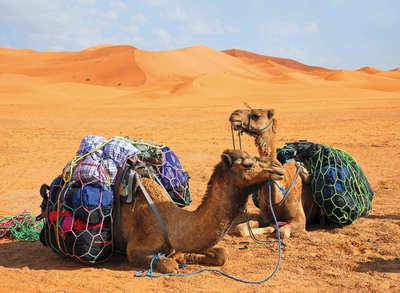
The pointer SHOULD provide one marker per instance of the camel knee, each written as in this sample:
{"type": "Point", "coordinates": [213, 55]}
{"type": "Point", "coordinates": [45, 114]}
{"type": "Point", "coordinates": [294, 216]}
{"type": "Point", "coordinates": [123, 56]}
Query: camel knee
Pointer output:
{"type": "Point", "coordinates": [285, 231]}
{"type": "Point", "coordinates": [243, 230]}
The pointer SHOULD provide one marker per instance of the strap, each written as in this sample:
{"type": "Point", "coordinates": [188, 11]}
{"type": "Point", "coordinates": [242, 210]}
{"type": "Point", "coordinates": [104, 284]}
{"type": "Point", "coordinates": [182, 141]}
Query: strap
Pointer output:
{"type": "Point", "coordinates": [131, 176]}
{"type": "Point", "coordinates": [120, 244]}
{"type": "Point", "coordinates": [155, 210]}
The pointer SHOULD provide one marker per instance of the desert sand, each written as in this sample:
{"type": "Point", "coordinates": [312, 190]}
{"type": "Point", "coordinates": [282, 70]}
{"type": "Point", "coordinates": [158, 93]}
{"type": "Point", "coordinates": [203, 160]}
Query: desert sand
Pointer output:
{"type": "Point", "coordinates": [183, 98]}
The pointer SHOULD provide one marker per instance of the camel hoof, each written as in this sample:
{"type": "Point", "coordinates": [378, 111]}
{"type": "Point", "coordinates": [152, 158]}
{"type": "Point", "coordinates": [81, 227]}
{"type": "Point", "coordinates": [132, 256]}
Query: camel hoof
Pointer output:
{"type": "Point", "coordinates": [167, 265]}
{"type": "Point", "coordinates": [242, 230]}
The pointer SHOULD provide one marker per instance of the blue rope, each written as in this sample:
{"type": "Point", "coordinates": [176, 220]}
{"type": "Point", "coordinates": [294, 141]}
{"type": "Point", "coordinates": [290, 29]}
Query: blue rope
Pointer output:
{"type": "Point", "coordinates": [151, 274]}
{"type": "Point", "coordinates": [281, 188]}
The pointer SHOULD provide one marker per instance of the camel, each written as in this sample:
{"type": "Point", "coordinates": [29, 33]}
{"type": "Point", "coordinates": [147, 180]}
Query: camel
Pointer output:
{"type": "Point", "coordinates": [193, 234]}
{"type": "Point", "coordinates": [292, 209]}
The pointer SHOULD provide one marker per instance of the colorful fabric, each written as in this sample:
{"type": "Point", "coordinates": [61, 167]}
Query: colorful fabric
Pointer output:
{"type": "Point", "coordinates": [90, 143]}
{"type": "Point", "coordinates": [119, 150]}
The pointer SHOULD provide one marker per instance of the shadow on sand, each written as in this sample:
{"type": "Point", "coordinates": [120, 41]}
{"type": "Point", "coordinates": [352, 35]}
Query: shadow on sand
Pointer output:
{"type": "Point", "coordinates": [35, 256]}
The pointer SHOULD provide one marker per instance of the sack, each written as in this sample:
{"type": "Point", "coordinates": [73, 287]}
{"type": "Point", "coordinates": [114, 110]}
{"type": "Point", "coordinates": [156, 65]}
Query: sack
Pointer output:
{"type": "Point", "coordinates": [165, 166]}
{"type": "Point", "coordinates": [77, 207]}
{"type": "Point", "coordinates": [339, 186]}
{"type": "Point", "coordinates": [78, 220]}
{"type": "Point", "coordinates": [300, 151]}
{"type": "Point", "coordinates": [90, 203]}
{"type": "Point", "coordinates": [173, 178]}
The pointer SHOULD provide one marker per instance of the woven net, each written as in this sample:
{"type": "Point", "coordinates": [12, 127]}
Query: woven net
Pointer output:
{"type": "Point", "coordinates": [79, 206]}
{"type": "Point", "coordinates": [339, 185]}
{"type": "Point", "coordinates": [79, 223]}
{"type": "Point", "coordinates": [22, 227]}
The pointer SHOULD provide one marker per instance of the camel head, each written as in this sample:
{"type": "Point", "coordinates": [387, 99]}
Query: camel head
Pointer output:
{"type": "Point", "coordinates": [245, 170]}
{"type": "Point", "coordinates": [258, 123]}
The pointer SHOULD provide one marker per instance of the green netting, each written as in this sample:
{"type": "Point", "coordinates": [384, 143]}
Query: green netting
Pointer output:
{"type": "Point", "coordinates": [339, 185]}
{"type": "Point", "coordinates": [20, 227]}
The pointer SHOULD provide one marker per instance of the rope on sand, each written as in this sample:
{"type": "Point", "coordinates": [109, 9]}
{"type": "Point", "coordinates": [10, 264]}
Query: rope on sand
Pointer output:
{"type": "Point", "coordinates": [20, 227]}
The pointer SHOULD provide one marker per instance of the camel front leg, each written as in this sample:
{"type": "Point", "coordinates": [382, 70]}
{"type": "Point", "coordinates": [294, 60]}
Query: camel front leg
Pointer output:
{"type": "Point", "coordinates": [143, 258]}
{"type": "Point", "coordinates": [259, 226]}
{"type": "Point", "coordinates": [215, 256]}
{"type": "Point", "coordinates": [295, 225]}
{"type": "Point", "coordinates": [243, 229]}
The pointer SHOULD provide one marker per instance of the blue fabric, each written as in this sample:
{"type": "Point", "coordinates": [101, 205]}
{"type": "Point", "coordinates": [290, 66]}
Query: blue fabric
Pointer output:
{"type": "Point", "coordinates": [172, 175]}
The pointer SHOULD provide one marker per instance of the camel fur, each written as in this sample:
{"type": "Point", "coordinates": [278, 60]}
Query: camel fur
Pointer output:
{"type": "Point", "coordinates": [293, 210]}
{"type": "Point", "coordinates": [194, 234]}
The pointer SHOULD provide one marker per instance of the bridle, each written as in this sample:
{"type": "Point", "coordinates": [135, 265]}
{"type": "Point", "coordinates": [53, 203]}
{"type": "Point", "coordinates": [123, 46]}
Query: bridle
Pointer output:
{"type": "Point", "coordinates": [248, 129]}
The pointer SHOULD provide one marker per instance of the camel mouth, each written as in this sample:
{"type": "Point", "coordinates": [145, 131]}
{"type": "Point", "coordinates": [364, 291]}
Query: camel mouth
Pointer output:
{"type": "Point", "coordinates": [237, 125]}
{"type": "Point", "coordinates": [276, 175]}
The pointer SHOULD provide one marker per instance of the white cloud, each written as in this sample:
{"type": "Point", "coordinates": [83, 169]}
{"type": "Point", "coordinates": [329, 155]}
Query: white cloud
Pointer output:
{"type": "Point", "coordinates": [130, 28]}
{"type": "Point", "coordinates": [110, 15]}
{"type": "Point", "coordinates": [163, 37]}
{"type": "Point", "coordinates": [283, 52]}
{"type": "Point", "coordinates": [208, 28]}
{"type": "Point", "coordinates": [311, 28]}
{"type": "Point", "coordinates": [118, 5]}
{"type": "Point", "coordinates": [176, 13]}
{"type": "Point", "coordinates": [139, 19]}
{"type": "Point", "coordinates": [284, 28]}
{"type": "Point", "coordinates": [281, 28]}
{"type": "Point", "coordinates": [86, 2]}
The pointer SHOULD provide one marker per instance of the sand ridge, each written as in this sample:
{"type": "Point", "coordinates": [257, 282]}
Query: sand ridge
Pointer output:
{"type": "Point", "coordinates": [183, 98]}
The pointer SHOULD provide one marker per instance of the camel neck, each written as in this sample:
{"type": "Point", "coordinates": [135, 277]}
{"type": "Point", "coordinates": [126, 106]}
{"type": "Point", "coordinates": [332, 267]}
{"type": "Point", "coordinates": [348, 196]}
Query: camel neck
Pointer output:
{"type": "Point", "coordinates": [208, 224]}
{"type": "Point", "coordinates": [266, 145]}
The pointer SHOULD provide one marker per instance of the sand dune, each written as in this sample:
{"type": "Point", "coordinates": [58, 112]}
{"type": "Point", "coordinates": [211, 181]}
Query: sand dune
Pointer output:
{"type": "Point", "coordinates": [274, 65]}
{"type": "Point", "coordinates": [370, 70]}
{"type": "Point", "coordinates": [127, 66]}
{"type": "Point", "coordinates": [183, 98]}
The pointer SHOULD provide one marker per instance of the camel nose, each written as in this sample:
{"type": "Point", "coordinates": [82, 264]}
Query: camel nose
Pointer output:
{"type": "Point", "coordinates": [236, 124]}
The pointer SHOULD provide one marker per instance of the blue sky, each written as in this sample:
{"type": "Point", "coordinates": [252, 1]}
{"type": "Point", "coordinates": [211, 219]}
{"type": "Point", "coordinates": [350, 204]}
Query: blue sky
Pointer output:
{"type": "Point", "coordinates": [337, 34]}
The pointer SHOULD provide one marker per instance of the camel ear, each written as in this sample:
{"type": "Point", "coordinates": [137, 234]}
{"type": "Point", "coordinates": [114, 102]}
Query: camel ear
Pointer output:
{"type": "Point", "coordinates": [226, 159]}
{"type": "Point", "coordinates": [271, 113]}
{"type": "Point", "coordinates": [275, 126]}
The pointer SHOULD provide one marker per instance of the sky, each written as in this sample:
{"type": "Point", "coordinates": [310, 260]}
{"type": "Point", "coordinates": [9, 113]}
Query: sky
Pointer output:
{"type": "Point", "coordinates": [335, 34]}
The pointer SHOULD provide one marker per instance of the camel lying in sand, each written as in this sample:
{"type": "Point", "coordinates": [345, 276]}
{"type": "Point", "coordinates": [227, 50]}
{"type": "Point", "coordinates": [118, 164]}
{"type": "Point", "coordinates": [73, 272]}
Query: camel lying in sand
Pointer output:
{"type": "Point", "coordinates": [296, 207]}
{"type": "Point", "coordinates": [193, 234]}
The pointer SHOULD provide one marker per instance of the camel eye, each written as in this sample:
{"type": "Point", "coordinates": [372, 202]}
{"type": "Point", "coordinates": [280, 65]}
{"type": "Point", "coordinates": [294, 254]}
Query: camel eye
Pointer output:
{"type": "Point", "coordinates": [255, 117]}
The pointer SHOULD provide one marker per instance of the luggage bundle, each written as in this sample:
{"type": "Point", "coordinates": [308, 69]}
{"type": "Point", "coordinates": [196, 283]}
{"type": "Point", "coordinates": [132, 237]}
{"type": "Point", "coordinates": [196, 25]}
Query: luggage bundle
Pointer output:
{"type": "Point", "coordinates": [78, 206]}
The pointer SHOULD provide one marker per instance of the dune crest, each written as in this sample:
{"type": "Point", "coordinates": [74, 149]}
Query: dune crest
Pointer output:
{"type": "Point", "coordinates": [194, 69]}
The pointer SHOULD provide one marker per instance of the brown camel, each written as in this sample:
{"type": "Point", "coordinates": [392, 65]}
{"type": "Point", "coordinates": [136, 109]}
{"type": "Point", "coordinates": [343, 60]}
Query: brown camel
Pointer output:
{"type": "Point", "coordinates": [293, 207]}
{"type": "Point", "coordinates": [193, 234]}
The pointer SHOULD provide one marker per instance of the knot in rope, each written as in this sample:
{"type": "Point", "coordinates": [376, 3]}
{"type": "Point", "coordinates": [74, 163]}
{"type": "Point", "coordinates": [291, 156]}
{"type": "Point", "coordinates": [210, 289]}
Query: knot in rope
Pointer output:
{"type": "Point", "coordinates": [281, 188]}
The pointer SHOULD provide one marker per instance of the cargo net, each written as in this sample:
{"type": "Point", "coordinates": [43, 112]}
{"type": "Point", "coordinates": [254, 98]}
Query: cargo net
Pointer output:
{"type": "Point", "coordinates": [162, 164]}
{"type": "Point", "coordinates": [79, 207]}
{"type": "Point", "coordinates": [339, 185]}
{"type": "Point", "coordinates": [79, 222]}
